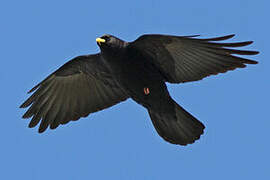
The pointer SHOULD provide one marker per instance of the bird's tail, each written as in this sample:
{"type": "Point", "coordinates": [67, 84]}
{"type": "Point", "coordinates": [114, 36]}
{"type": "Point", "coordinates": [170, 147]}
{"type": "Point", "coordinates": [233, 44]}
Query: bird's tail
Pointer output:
{"type": "Point", "coordinates": [176, 125]}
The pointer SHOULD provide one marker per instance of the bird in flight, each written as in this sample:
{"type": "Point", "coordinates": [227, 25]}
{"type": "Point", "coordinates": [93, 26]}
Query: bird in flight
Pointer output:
{"type": "Point", "coordinates": [138, 70]}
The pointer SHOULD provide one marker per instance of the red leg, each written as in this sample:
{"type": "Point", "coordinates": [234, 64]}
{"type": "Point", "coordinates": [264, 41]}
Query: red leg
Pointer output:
{"type": "Point", "coordinates": [146, 91]}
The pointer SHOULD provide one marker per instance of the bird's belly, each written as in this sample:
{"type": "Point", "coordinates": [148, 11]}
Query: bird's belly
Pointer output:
{"type": "Point", "coordinates": [142, 88]}
{"type": "Point", "coordinates": [140, 79]}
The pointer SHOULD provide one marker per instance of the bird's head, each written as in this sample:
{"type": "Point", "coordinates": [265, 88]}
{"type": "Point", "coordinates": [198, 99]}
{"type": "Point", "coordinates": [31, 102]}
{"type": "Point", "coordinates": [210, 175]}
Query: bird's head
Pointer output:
{"type": "Point", "coordinates": [110, 42]}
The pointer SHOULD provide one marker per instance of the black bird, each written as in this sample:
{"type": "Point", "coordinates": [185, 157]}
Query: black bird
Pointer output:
{"type": "Point", "coordinates": [137, 70]}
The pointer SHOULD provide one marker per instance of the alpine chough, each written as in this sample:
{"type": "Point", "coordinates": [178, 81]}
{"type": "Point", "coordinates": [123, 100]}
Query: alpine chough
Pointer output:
{"type": "Point", "coordinates": [138, 70]}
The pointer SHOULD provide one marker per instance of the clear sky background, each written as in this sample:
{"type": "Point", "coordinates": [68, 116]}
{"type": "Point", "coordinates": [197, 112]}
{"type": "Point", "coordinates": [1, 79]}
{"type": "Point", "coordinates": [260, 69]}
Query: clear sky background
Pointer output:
{"type": "Point", "coordinates": [37, 37]}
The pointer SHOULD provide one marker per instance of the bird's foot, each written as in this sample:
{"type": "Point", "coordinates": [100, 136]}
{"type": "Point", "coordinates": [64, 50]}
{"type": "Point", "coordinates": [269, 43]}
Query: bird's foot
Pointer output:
{"type": "Point", "coordinates": [146, 91]}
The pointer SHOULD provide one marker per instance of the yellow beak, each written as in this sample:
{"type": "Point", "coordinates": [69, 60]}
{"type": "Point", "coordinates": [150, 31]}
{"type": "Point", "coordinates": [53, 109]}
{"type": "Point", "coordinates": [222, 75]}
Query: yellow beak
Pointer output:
{"type": "Point", "coordinates": [100, 40]}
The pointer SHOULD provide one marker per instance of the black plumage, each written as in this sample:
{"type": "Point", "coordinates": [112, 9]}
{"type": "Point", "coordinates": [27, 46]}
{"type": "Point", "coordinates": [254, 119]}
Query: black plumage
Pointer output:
{"type": "Point", "coordinates": [136, 70]}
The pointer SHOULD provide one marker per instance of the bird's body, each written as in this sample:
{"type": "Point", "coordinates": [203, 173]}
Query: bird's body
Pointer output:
{"type": "Point", "coordinates": [125, 71]}
{"type": "Point", "coordinates": [137, 70]}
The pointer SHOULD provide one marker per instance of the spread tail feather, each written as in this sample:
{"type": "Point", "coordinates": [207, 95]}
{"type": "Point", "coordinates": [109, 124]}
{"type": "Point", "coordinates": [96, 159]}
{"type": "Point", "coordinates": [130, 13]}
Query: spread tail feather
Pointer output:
{"type": "Point", "coordinates": [176, 126]}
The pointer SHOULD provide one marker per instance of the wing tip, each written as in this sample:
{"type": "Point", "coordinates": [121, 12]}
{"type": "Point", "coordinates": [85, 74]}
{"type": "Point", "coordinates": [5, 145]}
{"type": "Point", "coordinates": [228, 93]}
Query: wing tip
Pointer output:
{"type": "Point", "coordinates": [41, 129]}
{"type": "Point", "coordinates": [22, 105]}
{"type": "Point", "coordinates": [255, 52]}
{"type": "Point", "coordinates": [33, 89]}
{"type": "Point", "coordinates": [252, 62]}
{"type": "Point", "coordinates": [248, 42]}
{"type": "Point", "coordinates": [192, 36]}
{"type": "Point", "coordinates": [222, 38]}
{"type": "Point", "coordinates": [25, 116]}
{"type": "Point", "coordinates": [230, 36]}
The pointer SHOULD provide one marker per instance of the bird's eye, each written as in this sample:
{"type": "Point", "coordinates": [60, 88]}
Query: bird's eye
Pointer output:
{"type": "Point", "coordinates": [107, 38]}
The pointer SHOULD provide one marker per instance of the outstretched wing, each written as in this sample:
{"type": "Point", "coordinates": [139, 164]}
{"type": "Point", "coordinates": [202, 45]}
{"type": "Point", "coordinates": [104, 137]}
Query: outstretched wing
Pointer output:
{"type": "Point", "coordinates": [81, 86]}
{"type": "Point", "coordinates": [186, 58]}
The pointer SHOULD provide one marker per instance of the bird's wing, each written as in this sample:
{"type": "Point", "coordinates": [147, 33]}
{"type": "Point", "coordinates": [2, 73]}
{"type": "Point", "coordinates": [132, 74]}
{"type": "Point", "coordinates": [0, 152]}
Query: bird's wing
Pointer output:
{"type": "Point", "coordinates": [186, 58]}
{"type": "Point", "coordinates": [81, 86]}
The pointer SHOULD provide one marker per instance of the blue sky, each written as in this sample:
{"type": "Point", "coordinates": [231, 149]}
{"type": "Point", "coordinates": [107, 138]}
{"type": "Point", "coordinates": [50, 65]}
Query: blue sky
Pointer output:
{"type": "Point", "coordinates": [120, 142]}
